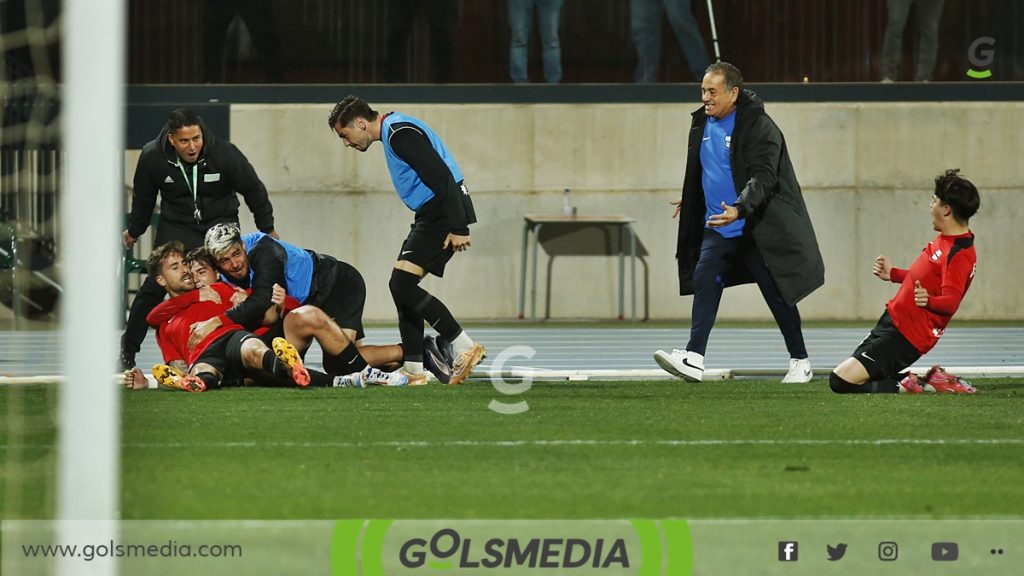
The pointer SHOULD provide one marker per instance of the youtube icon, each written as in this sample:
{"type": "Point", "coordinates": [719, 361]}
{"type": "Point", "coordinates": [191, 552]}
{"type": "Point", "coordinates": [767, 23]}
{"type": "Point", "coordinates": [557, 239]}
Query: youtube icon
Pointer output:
{"type": "Point", "coordinates": [945, 551]}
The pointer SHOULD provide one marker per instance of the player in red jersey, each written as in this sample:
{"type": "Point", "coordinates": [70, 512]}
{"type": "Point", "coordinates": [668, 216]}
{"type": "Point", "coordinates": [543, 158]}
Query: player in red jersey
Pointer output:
{"type": "Point", "coordinates": [300, 325]}
{"type": "Point", "coordinates": [286, 326]}
{"type": "Point", "coordinates": [227, 349]}
{"type": "Point", "coordinates": [930, 293]}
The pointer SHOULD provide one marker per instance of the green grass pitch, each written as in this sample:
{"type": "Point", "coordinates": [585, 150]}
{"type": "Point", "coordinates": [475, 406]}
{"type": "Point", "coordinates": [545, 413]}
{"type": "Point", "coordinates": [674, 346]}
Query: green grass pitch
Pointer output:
{"type": "Point", "coordinates": [742, 448]}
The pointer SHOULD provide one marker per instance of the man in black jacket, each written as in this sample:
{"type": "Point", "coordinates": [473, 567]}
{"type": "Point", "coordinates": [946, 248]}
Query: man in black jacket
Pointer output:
{"type": "Point", "coordinates": [197, 178]}
{"type": "Point", "coordinates": [743, 219]}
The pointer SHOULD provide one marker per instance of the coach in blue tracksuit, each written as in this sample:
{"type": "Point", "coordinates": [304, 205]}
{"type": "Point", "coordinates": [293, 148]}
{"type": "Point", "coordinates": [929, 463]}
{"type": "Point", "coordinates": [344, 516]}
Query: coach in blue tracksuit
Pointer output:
{"type": "Point", "coordinates": [429, 182]}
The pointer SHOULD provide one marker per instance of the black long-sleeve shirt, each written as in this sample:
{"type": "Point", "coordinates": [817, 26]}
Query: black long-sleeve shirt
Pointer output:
{"type": "Point", "coordinates": [450, 197]}
{"type": "Point", "coordinates": [221, 172]}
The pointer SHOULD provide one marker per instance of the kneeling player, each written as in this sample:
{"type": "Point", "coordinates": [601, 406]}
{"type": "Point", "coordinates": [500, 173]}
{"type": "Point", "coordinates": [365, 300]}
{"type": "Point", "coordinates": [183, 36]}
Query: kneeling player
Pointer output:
{"type": "Point", "coordinates": [930, 293]}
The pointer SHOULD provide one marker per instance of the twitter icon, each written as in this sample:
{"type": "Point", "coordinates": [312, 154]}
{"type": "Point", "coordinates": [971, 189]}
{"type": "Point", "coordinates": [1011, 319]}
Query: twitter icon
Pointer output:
{"type": "Point", "coordinates": [835, 552]}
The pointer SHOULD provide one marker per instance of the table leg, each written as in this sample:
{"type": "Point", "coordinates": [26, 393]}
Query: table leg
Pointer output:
{"type": "Point", "coordinates": [522, 272]}
{"type": "Point", "coordinates": [622, 275]}
{"type": "Point", "coordinates": [632, 265]}
{"type": "Point", "coordinates": [15, 289]}
{"type": "Point", "coordinates": [536, 257]}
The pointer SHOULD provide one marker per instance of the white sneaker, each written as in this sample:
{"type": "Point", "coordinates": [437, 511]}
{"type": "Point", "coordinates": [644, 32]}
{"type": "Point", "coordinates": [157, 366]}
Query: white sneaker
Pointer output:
{"type": "Point", "coordinates": [347, 381]}
{"type": "Point", "coordinates": [371, 376]}
{"type": "Point", "coordinates": [799, 371]}
{"type": "Point", "coordinates": [682, 363]}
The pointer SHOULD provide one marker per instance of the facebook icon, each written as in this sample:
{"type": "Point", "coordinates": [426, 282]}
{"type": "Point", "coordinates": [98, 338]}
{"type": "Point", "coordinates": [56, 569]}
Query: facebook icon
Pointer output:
{"type": "Point", "coordinates": [788, 551]}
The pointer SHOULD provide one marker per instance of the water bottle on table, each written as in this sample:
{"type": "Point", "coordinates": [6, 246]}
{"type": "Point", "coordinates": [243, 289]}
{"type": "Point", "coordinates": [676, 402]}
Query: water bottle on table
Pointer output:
{"type": "Point", "coordinates": [567, 207]}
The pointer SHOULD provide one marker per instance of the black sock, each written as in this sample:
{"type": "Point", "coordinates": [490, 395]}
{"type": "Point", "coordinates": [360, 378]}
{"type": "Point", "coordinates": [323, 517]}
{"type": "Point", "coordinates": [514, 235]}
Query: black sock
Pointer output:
{"type": "Point", "coordinates": [840, 386]}
{"type": "Point", "coordinates": [439, 317]}
{"type": "Point", "coordinates": [320, 379]}
{"type": "Point", "coordinates": [410, 326]}
{"type": "Point", "coordinates": [349, 361]}
{"type": "Point", "coordinates": [210, 379]}
{"type": "Point", "coordinates": [272, 365]}
{"type": "Point", "coordinates": [414, 306]}
{"type": "Point", "coordinates": [405, 291]}
{"type": "Point", "coordinates": [883, 386]}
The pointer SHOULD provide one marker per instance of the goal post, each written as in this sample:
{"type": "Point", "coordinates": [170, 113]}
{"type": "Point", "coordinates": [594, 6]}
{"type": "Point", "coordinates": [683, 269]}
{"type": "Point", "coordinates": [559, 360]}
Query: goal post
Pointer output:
{"type": "Point", "coordinates": [93, 110]}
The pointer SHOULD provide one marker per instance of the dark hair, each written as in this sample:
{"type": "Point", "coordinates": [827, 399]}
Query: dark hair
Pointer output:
{"type": "Point", "coordinates": [731, 74]}
{"type": "Point", "coordinates": [202, 255]}
{"type": "Point", "coordinates": [181, 117]}
{"type": "Point", "coordinates": [349, 109]}
{"type": "Point", "coordinates": [155, 262]}
{"type": "Point", "coordinates": [958, 193]}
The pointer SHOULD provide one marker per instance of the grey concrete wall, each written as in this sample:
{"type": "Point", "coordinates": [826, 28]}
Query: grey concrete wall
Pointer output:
{"type": "Point", "coordinates": [866, 171]}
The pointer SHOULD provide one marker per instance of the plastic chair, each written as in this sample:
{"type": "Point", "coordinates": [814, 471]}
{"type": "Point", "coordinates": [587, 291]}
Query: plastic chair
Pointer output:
{"type": "Point", "coordinates": [132, 265]}
{"type": "Point", "coordinates": [9, 261]}
{"type": "Point", "coordinates": [129, 265]}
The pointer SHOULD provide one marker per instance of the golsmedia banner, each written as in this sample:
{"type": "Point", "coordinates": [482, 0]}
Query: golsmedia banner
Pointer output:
{"type": "Point", "coordinates": [643, 547]}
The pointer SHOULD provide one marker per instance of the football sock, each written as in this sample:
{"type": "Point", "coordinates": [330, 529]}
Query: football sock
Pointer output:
{"type": "Point", "coordinates": [883, 386]}
{"type": "Point", "coordinates": [840, 386]}
{"type": "Point", "coordinates": [348, 361]}
{"type": "Point", "coordinates": [437, 315]}
{"type": "Point", "coordinates": [410, 327]}
{"type": "Point", "coordinates": [462, 343]}
{"type": "Point", "coordinates": [416, 305]}
{"type": "Point", "coordinates": [210, 379]}
{"type": "Point", "coordinates": [320, 379]}
{"type": "Point", "coordinates": [274, 366]}
{"type": "Point", "coordinates": [413, 367]}
{"type": "Point", "coordinates": [403, 287]}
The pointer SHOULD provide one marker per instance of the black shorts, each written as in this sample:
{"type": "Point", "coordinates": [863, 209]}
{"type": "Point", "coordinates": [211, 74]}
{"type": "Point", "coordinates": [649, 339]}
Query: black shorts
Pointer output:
{"type": "Point", "coordinates": [276, 330]}
{"type": "Point", "coordinates": [225, 354]}
{"type": "Point", "coordinates": [424, 247]}
{"type": "Point", "coordinates": [885, 351]}
{"type": "Point", "coordinates": [341, 294]}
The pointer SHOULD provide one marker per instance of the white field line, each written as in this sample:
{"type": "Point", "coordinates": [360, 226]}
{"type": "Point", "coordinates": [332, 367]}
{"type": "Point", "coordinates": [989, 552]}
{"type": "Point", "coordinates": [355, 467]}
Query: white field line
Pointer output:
{"type": "Point", "coordinates": [516, 372]}
{"type": "Point", "coordinates": [583, 443]}
{"type": "Point", "coordinates": [567, 443]}
{"type": "Point", "coordinates": [994, 521]}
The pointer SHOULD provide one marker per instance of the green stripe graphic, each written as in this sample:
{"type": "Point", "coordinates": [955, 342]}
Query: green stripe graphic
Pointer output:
{"type": "Point", "coordinates": [666, 547]}
{"type": "Point", "coordinates": [650, 547]}
{"type": "Point", "coordinates": [373, 547]}
{"type": "Point", "coordinates": [679, 543]}
{"type": "Point", "coordinates": [979, 75]}
{"type": "Point", "coordinates": [344, 547]}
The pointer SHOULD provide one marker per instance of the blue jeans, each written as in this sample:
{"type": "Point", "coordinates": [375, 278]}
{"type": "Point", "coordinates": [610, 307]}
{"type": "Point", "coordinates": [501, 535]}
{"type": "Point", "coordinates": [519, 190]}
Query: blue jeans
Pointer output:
{"type": "Point", "coordinates": [717, 254]}
{"type": "Point", "coordinates": [645, 18]}
{"type": "Point", "coordinates": [520, 20]}
{"type": "Point", "coordinates": [928, 14]}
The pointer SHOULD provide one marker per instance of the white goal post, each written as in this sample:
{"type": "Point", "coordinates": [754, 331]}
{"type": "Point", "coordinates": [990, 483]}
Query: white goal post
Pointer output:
{"type": "Point", "coordinates": [92, 112]}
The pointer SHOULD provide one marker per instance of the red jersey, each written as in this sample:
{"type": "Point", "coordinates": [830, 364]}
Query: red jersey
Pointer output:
{"type": "Point", "coordinates": [174, 317]}
{"type": "Point", "coordinates": [945, 268]}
